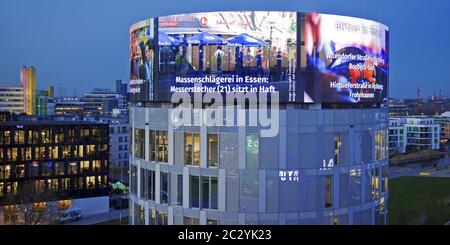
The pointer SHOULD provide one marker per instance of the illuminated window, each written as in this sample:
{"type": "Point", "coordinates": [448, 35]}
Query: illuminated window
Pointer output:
{"type": "Point", "coordinates": [191, 221]}
{"type": "Point", "coordinates": [90, 182]}
{"type": "Point", "coordinates": [163, 144]}
{"type": "Point", "coordinates": [337, 148]}
{"type": "Point", "coordinates": [54, 152]}
{"type": "Point", "coordinates": [211, 222]}
{"type": "Point", "coordinates": [52, 184]}
{"type": "Point", "coordinates": [66, 152]}
{"type": "Point", "coordinates": [1, 154]}
{"type": "Point", "coordinates": [46, 136]}
{"type": "Point", "coordinates": [33, 136]}
{"type": "Point", "coordinates": [19, 137]}
{"type": "Point", "coordinates": [159, 151]}
{"type": "Point", "coordinates": [71, 135]}
{"type": "Point", "coordinates": [81, 151]}
{"type": "Point", "coordinates": [385, 179]}
{"type": "Point", "coordinates": [152, 144]}
{"type": "Point", "coordinates": [381, 144]}
{"type": "Point", "coordinates": [2, 186]}
{"type": "Point", "coordinates": [375, 183]}
{"type": "Point", "coordinates": [27, 153]}
{"type": "Point", "coordinates": [84, 166]}
{"type": "Point", "coordinates": [213, 146]}
{"type": "Point", "coordinates": [6, 137]}
{"type": "Point", "coordinates": [12, 154]}
{"type": "Point", "coordinates": [59, 136]}
{"type": "Point", "coordinates": [95, 132]}
{"type": "Point", "coordinates": [162, 218]}
{"type": "Point", "coordinates": [328, 191]}
{"type": "Point", "coordinates": [5, 172]}
{"type": "Point", "coordinates": [40, 153]}
{"type": "Point", "coordinates": [90, 150]}
{"type": "Point", "coordinates": [139, 143]}
{"type": "Point", "coordinates": [19, 171]}
{"type": "Point", "coordinates": [96, 165]}
{"type": "Point", "coordinates": [40, 185]}
{"type": "Point", "coordinates": [84, 132]}
{"type": "Point", "coordinates": [192, 149]}
{"type": "Point", "coordinates": [33, 169]}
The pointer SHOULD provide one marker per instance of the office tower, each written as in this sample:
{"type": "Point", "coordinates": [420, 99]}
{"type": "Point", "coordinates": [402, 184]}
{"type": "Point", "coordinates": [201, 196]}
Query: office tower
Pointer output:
{"type": "Point", "coordinates": [202, 150]}
{"type": "Point", "coordinates": [28, 81]}
{"type": "Point", "coordinates": [11, 99]}
{"type": "Point", "coordinates": [68, 157]}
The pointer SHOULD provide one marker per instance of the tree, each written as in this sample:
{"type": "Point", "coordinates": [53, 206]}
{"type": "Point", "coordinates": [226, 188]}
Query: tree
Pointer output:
{"type": "Point", "coordinates": [30, 205]}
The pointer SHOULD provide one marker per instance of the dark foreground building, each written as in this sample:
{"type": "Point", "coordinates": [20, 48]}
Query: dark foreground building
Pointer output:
{"type": "Point", "coordinates": [69, 158]}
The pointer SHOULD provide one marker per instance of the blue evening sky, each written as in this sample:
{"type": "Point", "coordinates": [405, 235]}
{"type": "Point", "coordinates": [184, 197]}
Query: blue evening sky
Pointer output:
{"type": "Point", "coordinates": [81, 44]}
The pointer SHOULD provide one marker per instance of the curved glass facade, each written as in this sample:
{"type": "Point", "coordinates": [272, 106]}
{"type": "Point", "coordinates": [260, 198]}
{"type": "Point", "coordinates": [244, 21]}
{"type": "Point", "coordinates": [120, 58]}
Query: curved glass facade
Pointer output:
{"type": "Point", "coordinates": [326, 166]}
{"type": "Point", "coordinates": [305, 164]}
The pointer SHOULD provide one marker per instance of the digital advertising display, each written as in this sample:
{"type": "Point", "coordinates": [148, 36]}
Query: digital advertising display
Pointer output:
{"type": "Point", "coordinates": [348, 58]}
{"type": "Point", "coordinates": [323, 59]}
{"type": "Point", "coordinates": [229, 52]}
{"type": "Point", "coordinates": [142, 60]}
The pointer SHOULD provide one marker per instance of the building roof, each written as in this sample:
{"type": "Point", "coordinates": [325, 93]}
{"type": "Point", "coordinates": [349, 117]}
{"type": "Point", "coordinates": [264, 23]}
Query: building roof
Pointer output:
{"type": "Point", "coordinates": [48, 122]}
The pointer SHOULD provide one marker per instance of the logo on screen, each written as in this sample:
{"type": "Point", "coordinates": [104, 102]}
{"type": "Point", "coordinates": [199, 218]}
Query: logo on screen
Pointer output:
{"type": "Point", "coordinates": [204, 21]}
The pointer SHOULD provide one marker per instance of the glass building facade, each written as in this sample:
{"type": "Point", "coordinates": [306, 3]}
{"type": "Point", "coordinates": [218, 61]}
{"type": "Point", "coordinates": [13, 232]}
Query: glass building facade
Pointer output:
{"type": "Point", "coordinates": [326, 166]}
{"type": "Point", "coordinates": [69, 158]}
{"type": "Point", "coordinates": [327, 77]}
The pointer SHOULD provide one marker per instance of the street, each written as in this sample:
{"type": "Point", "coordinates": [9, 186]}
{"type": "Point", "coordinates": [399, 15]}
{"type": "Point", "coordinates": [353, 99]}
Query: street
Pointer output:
{"type": "Point", "coordinates": [99, 218]}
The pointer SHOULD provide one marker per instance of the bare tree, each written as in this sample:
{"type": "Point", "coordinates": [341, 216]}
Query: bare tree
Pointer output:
{"type": "Point", "coordinates": [32, 206]}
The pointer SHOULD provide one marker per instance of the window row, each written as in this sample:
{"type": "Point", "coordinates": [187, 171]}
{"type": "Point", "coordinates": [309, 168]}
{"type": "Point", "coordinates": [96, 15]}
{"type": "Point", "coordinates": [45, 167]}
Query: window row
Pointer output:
{"type": "Point", "coordinates": [203, 191]}
{"type": "Point", "coordinates": [36, 169]}
{"type": "Point", "coordinates": [63, 184]}
{"type": "Point", "coordinates": [48, 135]}
{"type": "Point", "coordinates": [159, 147]}
{"type": "Point", "coordinates": [51, 152]}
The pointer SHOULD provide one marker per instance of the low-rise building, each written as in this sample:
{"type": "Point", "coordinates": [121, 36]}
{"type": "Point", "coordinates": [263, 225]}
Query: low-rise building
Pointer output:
{"type": "Point", "coordinates": [11, 99]}
{"type": "Point", "coordinates": [397, 135]}
{"type": "Point", "coordinates": [418, 133]}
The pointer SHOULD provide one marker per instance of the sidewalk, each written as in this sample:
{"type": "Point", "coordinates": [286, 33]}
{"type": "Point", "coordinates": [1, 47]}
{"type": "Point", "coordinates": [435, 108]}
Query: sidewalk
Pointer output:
{"type": "Point", "coordinates": [99, 218]}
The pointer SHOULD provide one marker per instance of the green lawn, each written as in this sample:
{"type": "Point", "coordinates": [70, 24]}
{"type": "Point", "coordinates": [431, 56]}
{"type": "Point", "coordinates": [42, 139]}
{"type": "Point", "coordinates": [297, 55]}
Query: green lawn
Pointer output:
{"type": "Point", "coordinates": [419, 200]}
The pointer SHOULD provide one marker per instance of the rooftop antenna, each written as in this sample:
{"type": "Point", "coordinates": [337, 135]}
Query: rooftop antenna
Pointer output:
{"type": "Point", "coordinates": [418, 92]}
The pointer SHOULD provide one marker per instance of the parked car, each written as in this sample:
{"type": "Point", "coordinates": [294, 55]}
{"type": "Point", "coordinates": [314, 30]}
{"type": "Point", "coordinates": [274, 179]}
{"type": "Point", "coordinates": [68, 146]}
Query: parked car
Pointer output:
{"type": "Point", "coordinates": [71, 214]}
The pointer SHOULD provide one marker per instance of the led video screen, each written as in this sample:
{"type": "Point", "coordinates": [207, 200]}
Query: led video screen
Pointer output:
{"type": "Point", "coordinates": [143, 50]}
{"type": "Point", "coordinates": [323, 58]}
{"type": "Point", "coordinates": [225, 52]}
{"type": "Point", "coordinates": [346, 59]}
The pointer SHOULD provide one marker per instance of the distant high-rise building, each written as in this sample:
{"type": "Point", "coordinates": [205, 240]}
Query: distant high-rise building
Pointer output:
{"type": "Point", "coordinates": [121, 88]}
{"type": "Point", "coordinates": [28, 81]}
{"type": "Point", "coordinates": [11, 99]}
{"type": "Point", "coordinates": [101, 102]}
{"type": "Point", "coordinates": [68, 106]}
{"type": "Point", "coordinates": [51, 91]}
{"type": "Point", "coordinates": [45, 104]}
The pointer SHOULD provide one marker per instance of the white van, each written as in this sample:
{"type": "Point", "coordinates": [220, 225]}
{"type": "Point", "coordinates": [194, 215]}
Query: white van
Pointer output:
{"type": "Point", "coordinates": [71, 214]}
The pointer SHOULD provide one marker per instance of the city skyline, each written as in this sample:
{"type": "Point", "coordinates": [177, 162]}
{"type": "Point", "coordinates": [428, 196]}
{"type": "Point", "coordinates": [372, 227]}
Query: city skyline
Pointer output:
{"type": "Point", "coordinates": [85, 48]}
